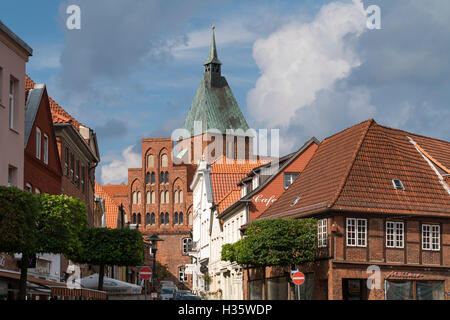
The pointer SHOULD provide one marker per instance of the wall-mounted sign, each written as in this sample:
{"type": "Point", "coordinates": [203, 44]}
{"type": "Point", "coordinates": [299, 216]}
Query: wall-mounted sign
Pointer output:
{"type": "Point", "coordinates": [267, 201]}
{"type": "Point", "coordinates": [403, 275]}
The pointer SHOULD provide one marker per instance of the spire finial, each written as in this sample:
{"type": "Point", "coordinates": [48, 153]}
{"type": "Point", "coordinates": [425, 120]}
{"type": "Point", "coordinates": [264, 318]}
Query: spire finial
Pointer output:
{"type": "Point", "coordinates": [212, 57]}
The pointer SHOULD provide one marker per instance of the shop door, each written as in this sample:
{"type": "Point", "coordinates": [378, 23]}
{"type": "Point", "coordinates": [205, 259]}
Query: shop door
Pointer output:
{"type": "Point", "coordinates": [354, 289]}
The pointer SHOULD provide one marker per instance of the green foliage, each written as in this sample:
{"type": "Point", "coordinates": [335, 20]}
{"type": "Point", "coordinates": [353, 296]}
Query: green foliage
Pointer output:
{"type": "Point", "coordinates": [61, 223]}
{"type": "Point", "coordinates": [275, 242]}
{"type": "Point", "coordinates": [18, 218]}
{"type": "Point", "coordinates": [119, 247]}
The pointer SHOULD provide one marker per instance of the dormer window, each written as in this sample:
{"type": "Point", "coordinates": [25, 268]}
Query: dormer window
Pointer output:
{"type": "Point", "coordinates": [398, 185]}
{"type": "Point", "coordinates": [294, 202]}
{"type": "Point", "coordinates": [289, 178]}
{"type": "Point", "coordinates": [244, 191]}
{"type": "Point", "coordinates": [255, 182]}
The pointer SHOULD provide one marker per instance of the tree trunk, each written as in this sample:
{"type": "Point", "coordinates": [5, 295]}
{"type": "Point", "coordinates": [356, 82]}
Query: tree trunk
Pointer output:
{"type": "Point", "coordinates": [101, 274]}
{"type": "Point", "coordinates": [23, 277]}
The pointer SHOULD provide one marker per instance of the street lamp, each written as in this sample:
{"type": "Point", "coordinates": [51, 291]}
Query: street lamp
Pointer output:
{"type": "Point", "coordinates": [154, 245]}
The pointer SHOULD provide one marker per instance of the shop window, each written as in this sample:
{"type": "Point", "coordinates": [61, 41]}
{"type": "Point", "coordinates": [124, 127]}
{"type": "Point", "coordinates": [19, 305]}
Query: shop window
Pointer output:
{"type": "Point", "coordinates": [306, 290]}
{"type": "Point", "coordinates": [430, 290]}
{"type": "Point", "coordinates": [255, 289]}
{"type": "Point", "coordinates": [277, 289]}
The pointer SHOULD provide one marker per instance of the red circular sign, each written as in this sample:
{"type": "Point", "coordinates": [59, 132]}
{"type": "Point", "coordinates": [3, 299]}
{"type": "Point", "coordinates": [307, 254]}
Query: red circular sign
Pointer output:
{"type": "Point", "coordinates": [145, 273]}
{"type": "Point", "coordinates": [298, 277]}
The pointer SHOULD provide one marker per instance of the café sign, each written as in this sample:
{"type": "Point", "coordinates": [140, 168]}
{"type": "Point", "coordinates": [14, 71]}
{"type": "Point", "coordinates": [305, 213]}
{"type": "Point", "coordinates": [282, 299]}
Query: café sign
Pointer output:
{"type": "Point", "coordinates": [267, 201]}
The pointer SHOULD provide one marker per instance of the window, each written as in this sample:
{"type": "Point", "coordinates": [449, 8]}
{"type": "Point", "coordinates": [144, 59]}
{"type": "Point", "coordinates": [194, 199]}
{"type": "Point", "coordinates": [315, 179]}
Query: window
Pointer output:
{"type": "Point", "coordinates": [72, 166]}
{"type": "Point", "coordinates": [244, 191]}
{"type": "Point", "coordinates": [37, 191]}
{"type": "Point", "coordinates": [153, 217]}
{"type": "Point", "coordinates": [153, 197]}
{"type": "Point", "coordinates": [164, 161]}
{"type": "Point", "coordinates": [294, 202]}
{"type": "Point", "coordinates": [28, 187]}
{"type": "Point", "coordinates": [147, 178]}
{"type": "Point", "coordinates": [166, 177]}
{"type": "Point", "coordinates": [83, 178]}
{"type": "Point", "coordinates": [147, 219]}
{"type": "Point", "coordinates": [175, 215]}
{"type": "Point", "coordinates": [134, 218]}
{"type": "Point", "coordinates": [12, 109]}
{"type": "Point", "coordinates": [45, 149]}
{"type": "Point", "coordinates": [139, 197]}
{"type": "Point", "coordinates": [180, 218]}
{"type": "Point", "coordinates": [77, 179]}
{"type": "Point", "coordinates": [66, 162]}
{"type": "Point", "coordinates": [289, 178]}
{"type": "Point", "coordinates": [167, 218]}
{"type": "Point", "coordinates": [189, 217]}
{"type": "Point", "coordinates": [12, 176]}
{"type": "Point", "coordinates": [398, 185]}
{"type": "Point", "coordinates": [180, 195]}
{"type": "Point", "coordinates": [161, 218]}
{"type": "Point", "coordinates": [255, 182]}
{"type": "Point", "coordinates": [182, 277]}
{"type": "Point", "coordinates": [394, 234]}
{"type": "Point", "coordinates": [431, 237]}
{"type": "Point", "coordinates": [186, 245]}
{"type": "Point", "coordinates": [175, 197]}
{"type": "Point", "coordinates": [356, 232]}
{"type": "Point", "coordinates": [38, 143]}
{"type": "Point", "coordinates": [161, 178]}
{"type": "Point", "coordinates": [322, 233]}
{"type": "Point", "coordinates": [134, 197]}
{"type": "Point", "coordinates": [162, 199]}
{"type": "Point", "coordinates": [166, 197]}
{"type": "Point", "coordinates": [139, 218]}
{"type": "Point", "coordinates": [153, 178]}
{"type": "Point", "coordinates": [150, 161]}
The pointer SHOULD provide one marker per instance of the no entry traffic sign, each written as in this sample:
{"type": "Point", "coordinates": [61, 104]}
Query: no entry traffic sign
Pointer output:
{"type": "Point", "coordinates": [298, 278]}
{"type": "Point", "coordinates": [145, 273]}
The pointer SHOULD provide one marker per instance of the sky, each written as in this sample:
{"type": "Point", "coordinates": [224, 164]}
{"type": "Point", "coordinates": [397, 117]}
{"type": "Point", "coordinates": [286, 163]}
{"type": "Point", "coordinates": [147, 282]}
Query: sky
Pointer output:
{"type": "Point", "coordinates": [308, 68]}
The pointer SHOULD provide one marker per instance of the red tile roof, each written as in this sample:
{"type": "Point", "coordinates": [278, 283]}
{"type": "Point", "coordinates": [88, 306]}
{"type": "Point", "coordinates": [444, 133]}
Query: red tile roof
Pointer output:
{"type": "Point", "coordinates": [227, 173]}
{"type": "Point", "coordinates": [111, 207]}
{"type": "Point", "coordinates": [59, 115]}
{"type": "Point", "coordinates": [353, 171]}
{"type": "Point", "coordinates": [230, 198]}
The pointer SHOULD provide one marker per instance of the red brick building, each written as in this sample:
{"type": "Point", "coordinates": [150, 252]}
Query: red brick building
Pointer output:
{"type": "Point", "coordinates": [42, 167]}
{"type": "Point", "coordinates": [382, 200]}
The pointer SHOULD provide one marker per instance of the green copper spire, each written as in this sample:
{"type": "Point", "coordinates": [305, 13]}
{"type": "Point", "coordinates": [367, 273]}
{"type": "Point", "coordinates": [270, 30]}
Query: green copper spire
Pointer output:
{"type": "Point", "coordinates": [212, 58]}
{"type": "Point", "coordinates": [214, 105]}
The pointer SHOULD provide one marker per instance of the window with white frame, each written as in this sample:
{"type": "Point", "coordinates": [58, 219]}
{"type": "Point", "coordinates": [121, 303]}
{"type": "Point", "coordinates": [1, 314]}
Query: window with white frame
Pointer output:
{"type": "Point", "coordinates": [289, 178]}
{"type": "Point", "coordinates": [431, 237]}
{"type": "Point", "coordinates": [356, 232]}
{"type": "Point", "coordinates": [255, 182]}
{"type": "Point", "coordinates": [182, 276]}
{"type": "Point", "coordinates": [38, 143]}
{"type": "Point", "coordinates": [395, 234]}
{"type": "Point", "coordinates": [12, 109]}
{"type": "Point", "coordinates": [322, 233]}
{"type": "Point", "coordinates": [28, 187]}
{"type": "Point", "coordinates": [186, 245]}
{"type": "Point", "coordinates": [45, 149]}
{"type": "Point", "coordinates": [244, 191]}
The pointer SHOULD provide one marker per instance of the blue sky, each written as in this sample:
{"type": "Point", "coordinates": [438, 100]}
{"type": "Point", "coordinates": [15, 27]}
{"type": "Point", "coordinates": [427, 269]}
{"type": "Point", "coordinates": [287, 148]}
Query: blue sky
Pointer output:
{"type": "Point", "coordinates": [306, 67]}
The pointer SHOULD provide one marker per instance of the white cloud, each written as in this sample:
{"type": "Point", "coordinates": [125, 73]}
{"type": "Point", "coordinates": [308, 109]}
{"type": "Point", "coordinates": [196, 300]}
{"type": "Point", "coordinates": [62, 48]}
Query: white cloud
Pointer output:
{"type": "Point", "coordinates": [46, 57]}
{"type": "Point", "coordinates": [117, 170]}
{"type": "Point", "coordinates": [301, 59]}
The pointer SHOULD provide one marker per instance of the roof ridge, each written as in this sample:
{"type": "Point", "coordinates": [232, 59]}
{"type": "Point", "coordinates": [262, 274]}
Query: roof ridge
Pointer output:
{"type": "Point", "coordinates": [370, 122]}
{"type": "Point", "coordinates": [414, 134]}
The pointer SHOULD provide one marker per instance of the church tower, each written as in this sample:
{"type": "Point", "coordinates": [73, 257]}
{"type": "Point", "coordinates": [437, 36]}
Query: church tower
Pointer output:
{"type": "Point", "coordinates": [215, 109]}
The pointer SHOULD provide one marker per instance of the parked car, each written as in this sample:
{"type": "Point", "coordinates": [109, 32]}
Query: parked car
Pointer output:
{"type": "Point", "coordinates": [163, 284]}
{"type": "Point", "coordinates": [167, 293]}
{"type": "Point", "coordinates": [190, 297]}
{"type": "Point", "coordinates": [181, 293]}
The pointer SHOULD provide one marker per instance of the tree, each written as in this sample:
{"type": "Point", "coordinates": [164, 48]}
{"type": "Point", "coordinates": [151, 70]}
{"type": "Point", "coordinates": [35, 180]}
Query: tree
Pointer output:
{"type": "Point", "coordinates": [275, 242]}
{"type": "Point", "coordinates": [32, 224]}
{"type": "Point", "coordinates": [114, 247]}
{"type": "Point", "coordinates": [18, 232]}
